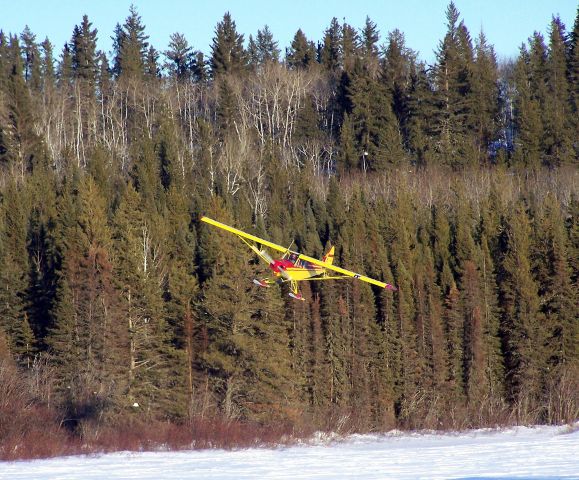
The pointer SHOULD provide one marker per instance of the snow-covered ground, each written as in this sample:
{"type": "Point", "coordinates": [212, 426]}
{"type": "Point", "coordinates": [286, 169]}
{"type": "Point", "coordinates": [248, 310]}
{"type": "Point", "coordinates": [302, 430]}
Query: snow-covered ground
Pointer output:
{"type": "Point", "coordinates": [542, 452]}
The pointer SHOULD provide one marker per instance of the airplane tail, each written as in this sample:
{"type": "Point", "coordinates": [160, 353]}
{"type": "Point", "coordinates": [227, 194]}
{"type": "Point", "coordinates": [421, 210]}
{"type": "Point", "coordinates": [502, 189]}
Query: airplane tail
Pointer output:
{"type": "Point", "coordinates": [329, 257]}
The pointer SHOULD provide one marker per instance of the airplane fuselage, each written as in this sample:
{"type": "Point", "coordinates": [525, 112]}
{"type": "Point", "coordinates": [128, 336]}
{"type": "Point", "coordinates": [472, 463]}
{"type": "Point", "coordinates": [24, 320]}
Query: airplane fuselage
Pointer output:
{"type": "Point", "coordinates": [294, 270]}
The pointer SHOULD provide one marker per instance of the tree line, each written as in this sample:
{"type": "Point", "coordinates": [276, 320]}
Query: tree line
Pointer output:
{"type": "Point", "coordinates": [454, 181]}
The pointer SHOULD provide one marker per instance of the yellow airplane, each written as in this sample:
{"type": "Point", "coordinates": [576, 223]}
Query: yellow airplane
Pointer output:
{"type": "Point", "coordinates": [294, 267]}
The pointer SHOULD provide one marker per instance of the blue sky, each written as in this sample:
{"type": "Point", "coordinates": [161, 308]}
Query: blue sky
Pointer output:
{"type": "Point", "coordinates": [506, 23]}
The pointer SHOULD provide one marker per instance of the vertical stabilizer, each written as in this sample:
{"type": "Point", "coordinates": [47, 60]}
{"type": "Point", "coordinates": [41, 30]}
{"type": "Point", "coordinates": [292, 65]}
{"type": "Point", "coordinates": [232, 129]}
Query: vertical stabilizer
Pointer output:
{"type": "Point", "coordinates": [329, 257]}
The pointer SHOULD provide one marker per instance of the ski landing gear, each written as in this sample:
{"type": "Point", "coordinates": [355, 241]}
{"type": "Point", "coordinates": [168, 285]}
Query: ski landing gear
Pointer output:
{"type": "Point", "coordinates": [266, 283]}
{"type": "Point", "coordinates": [295, 293]}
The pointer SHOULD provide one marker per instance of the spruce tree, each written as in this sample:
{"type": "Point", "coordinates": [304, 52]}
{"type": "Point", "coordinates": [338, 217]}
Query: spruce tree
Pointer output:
{"type": "Point", "coordinates": [32, 60]}
{"type": "Point", "coordinates": [153, 368]}
{"type": "Point", "coordinates": [42, 250]}
{"type": "Point", "coordinates": [130, 47]}
{"type": "Point", "coordinates": [528, 126]}
{"type": "Point", "coordinates": [522, 329]}
{"type": "Point", "coordinates": [452, 76]}
{"type": "Point", "coordinates": [331, 55]}
{"type": "Point", "coordinates": [376, 127]}
{"type": "Point", "coordinates": [302, 52]}
{"type": "Point", "coordinates": [398, 65]}
{"type": "Point", "coordinates": [420, 108]}
{"type": "Point", "coordinates": [88, 344]}
{"type": "Point", "coordinates": [408, 375]}
{"type": "Point", "coordinates": [64, 71]}
{"type": "Point", "coordinates": [348, 158]}
{"type": "Point", "coordinates": [152, 68]}
{"type": "Point", "coordinates": [20, 145]}
{"type": "Point", "coordinates": [558, 138]}
{"type": "Point", "coordinates": [370, 39]}
{"type": "Point", "coordinates": [441, 245]}
{"type": "Point", "coordinates": [181, 293]}
{"type": "Point", "coordinates": [47, 66]}
{"type": "Point", "coordinates": [14, 302]}
{"type": "Point", "coordinates": [227, 52]}
{"type": "Point", "coordinates": [454, 328]}
{"type": "Point", "coordinates": [350, 45]}
{"type": "Point", "coordinates": [486, 96]}
{"type": "Point", "coordinates": [494, 361]}
{"type": "Point", "coordinates": [267, 48]}
{"type": "Point", "coordinates": [84, 55]}
{"type": "Point", "coordinates": [558, 297]}
{"type": "Point", "coordinates": [4, 59]}
{"type": "Point", "coordinates": [180, 56]}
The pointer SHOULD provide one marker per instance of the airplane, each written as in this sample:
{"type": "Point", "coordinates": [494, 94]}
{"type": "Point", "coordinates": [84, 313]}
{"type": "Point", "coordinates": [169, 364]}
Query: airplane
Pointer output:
{"type": "Point", "coordinates": [294, 267]}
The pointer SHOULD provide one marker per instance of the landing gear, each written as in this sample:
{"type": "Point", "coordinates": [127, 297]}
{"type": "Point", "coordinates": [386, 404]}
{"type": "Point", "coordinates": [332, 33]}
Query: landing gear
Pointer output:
{"type": "Point", "coordinates": [261, 283]}
{"type": "Point", "coordinates": [297, 296]}
{"type": "Point", "coordinates": [295, 293]}
{"type": "Point", "coordinates": [266, 283]}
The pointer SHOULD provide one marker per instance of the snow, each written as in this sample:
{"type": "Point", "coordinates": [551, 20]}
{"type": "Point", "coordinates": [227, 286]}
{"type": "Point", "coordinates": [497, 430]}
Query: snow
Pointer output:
{"type": "Point", "coordinates": [521, 452]}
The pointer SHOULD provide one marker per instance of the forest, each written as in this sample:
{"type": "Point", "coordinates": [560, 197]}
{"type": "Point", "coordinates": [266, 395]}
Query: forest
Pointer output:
{"type": "Point", "coordinates": [456, 181]}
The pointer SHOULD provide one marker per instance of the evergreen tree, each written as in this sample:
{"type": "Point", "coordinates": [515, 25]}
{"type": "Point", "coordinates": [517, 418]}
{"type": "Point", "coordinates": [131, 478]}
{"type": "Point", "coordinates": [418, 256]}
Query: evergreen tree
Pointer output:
{"type": "Point", "coordinates": [332, 311]}
{"type": "Point", "coordinates": [407, 378]}
{"type": "Point", "coordinates": [152, 69]}
{"type": "Point", "coordinates": [48, 71]}
{"type": "Point", "coordinates": [486, 96]}
{"type": "Point", "coordinates": [88, 344]}
{"type": "Point", "coordinates": [494, 363]}
{"type": "Point", "coordinates": [558, 139]}
{"type": "Point", "coordinates": [227, 52]}
{"type": "Point", "coordinates": [432, 344]}
{"type": "Point", "coordinates": [155, 371]}
{"type": "Point", "coordinates": [522, 330]}
{"type": "Point", "coordinates": [4, 60]}
{"type": "Point", "coordinates": [302, 53]}
{"type": "Point", "coordinates": [130, 47]}
{"type": "Point", "coordinates": [441, 241]}
{"type": "Point", "coordinates": [266, 47]}
{"type": "Point", "coordinates": [181, 293]}
{"type": "Point", "coordinates": [558, 297]}
{"type": "Point", "coordinates": [14, 304]}
{"type": "Point", "coordinates": [420, 105]}
{"type": "Point", "coordinates": [453, 86]}
{"type": "Point", "coordinates": [64, 72]}
{"type": "Point", "coordinates": [103, 77]}
{"type": "Point", "coordinates": [331, 55]}
{"type": "Point", "coordinates": [42, 250]}
{"type": "Point", "coordinates": [32, 61]}
{"type": "Point", "coordinates": [454, 327]}
{"type": "Point", "coordinates": [199, 68]}
{"type": "Point", "coordinates": [350, 45]}
{"type": "Point", "coordinates": [375, 125]}
{"type": "Point", "coordinates": [370, 39]}
{"type": "Point", "coordinates": [20, 146]}
{"type": "Point", "coordinates": [252, 53]}
{"type": "Point", "coordinates": [398, 66]}
{"type": "Point", "coordinates": [180, 56]}
{"type": "Point", "coordinates": [84, 55]}
{"type": "Point", "coordinates": [527, 119]}
{"type": "Point", "coordinates": [348, 159]}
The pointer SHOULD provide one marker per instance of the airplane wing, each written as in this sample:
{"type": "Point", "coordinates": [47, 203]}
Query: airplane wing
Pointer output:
{"type": "Point", "coordinates": [242, 234]}
{"type": "Point", "coordinates": [281, 248]}
{"type": "Point", "coordinates": [347, 273]}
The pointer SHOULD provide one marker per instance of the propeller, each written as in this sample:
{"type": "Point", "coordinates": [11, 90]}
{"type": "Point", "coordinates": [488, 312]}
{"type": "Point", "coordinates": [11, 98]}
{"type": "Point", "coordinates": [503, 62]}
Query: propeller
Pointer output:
{"type": "Point", "coordinates": [266, 255]}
